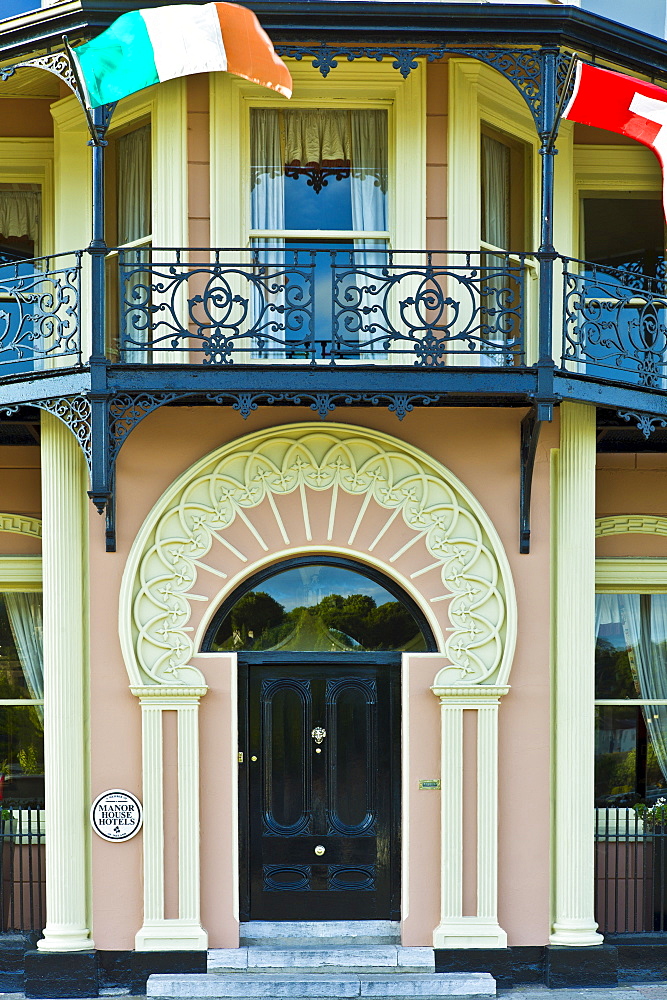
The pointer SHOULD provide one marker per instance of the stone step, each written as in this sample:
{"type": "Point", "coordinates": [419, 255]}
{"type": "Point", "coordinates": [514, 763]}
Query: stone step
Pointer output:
{"type": "Point", "coordinates": [283, 933]}
{"type": "Point", "coordinates": [308, 986]}
{"type": "Point", "coordinates": [315, 957]}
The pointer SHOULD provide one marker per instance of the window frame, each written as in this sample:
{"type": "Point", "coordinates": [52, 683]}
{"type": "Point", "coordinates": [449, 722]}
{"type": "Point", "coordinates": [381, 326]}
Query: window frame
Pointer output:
{"type": "Point", "coordinates": [405, 100]}
{"type": "Point", "coordinates": [22, 574]}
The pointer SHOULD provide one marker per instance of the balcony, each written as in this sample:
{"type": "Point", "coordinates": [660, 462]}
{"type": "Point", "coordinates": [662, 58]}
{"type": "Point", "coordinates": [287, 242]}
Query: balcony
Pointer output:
{"type": "Point", "coordinates": [466, 325]}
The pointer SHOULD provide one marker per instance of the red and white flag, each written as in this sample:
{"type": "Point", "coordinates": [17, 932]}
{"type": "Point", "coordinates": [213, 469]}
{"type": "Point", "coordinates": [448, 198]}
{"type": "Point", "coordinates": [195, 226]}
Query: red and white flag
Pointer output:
{"type": "Point", "coordinates": [620, 103]}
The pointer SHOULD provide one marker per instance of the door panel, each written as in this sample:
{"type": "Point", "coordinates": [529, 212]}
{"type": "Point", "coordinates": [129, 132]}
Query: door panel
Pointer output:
{"type": "Point", "coordinates": [326, 776]}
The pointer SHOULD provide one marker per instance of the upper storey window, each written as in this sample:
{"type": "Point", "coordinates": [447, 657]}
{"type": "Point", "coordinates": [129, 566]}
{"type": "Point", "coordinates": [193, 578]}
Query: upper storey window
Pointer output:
{"type": "Point", "coordinates": [319, 170]}
{"type": "Point", "coordinates": [20, 217]}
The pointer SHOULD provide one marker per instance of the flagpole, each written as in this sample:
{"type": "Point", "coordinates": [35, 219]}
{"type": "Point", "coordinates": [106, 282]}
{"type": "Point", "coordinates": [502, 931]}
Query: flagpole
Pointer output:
{"type": "Point", "coordinates": [561, 103]}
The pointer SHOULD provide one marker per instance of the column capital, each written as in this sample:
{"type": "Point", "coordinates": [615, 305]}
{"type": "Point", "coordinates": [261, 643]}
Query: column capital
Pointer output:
{"type": "Point", "coordinates": [470, 696]}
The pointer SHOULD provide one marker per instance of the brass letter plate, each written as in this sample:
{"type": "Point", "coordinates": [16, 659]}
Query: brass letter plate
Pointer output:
{"type": "Point", "coordinates": [429, 784]}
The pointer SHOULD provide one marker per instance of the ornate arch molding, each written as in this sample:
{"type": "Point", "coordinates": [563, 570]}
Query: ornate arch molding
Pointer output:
{"type": "Point", "coordinates": [630, 524]}
{"type": "Point", "coordinates": [475, 604]}
{"type": "Point", "coordinates": [19, 524]}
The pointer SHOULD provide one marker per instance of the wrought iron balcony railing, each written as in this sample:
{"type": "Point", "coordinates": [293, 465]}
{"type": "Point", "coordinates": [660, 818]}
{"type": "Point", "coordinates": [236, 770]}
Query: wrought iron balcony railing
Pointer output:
{"type": "Point", "coordinates": [615, 324]}
{"type": "Point", "coordinates": [284, 303]}
{"type": "Point", "coordinates": [40, 313]}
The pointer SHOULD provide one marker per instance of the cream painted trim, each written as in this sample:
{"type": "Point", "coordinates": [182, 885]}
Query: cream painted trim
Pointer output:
{"type": "Point", "coordinates": [157, 648]}
{"type": "Point", "coordinates": [613, 170]}
{"type": "Point", "coordinates": [21, 524]}
{"type": "Point", "coordinates": [631, 576]}
{"type": "Point", "coordinates": [479, 95]}
{"type": "Point", "coordinates": [21, 573]}
{"type": "Point", "coordinates": [30, 161]}
{"type": "Point", "coordinates": [381, 87]}
{"type": "Point", "coordinates": [630, 524]}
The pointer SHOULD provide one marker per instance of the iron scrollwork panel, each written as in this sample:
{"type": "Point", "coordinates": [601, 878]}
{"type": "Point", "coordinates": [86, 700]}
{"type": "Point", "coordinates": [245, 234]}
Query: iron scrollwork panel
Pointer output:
{"type": "Point", "coordinates": [286, 706]}
{"type": "Point", "coordinates": [398, 306]}
{"type": "Point", "coordinates": [615, 324]}
{"type": "Point", "coordinates": [351, 711]}
{"type": "Point", "coordinates": [232, 304]}
{"type": "Point", "coordinates": [40, 313]}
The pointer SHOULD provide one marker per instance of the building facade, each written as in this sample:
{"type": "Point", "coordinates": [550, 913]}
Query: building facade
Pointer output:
{"type": "Point", "coordinates": [322, 423]}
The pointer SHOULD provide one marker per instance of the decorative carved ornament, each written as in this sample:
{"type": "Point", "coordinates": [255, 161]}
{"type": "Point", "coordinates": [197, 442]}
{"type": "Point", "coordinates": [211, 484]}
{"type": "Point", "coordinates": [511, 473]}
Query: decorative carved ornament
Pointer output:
{"type": "Point", "coordinates": [630, 524]}
{"type": "Point", "coordinates": [475, 602]}
{"type": "Point", "coordinates": [19, 524]}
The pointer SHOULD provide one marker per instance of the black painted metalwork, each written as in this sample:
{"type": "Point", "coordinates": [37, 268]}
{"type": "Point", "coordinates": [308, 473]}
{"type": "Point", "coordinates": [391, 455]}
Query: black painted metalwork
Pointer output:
{"type": "Point", "coordinates": [646, 422]}
{"type": "Point", "coordinates": [614, 324]}
{"type": "Point", "coordinates": [218, 307]}
{"type": "Point", "coordinates": [530, 435]}
{"type": "Point", "coordinates": [40, 313]}
{"type": "Point", "coordinates": [630, 872]}
{"type": "Point", "coordinates": [22, 861]}
{"type": "Point", "coordinates": [522, 67]}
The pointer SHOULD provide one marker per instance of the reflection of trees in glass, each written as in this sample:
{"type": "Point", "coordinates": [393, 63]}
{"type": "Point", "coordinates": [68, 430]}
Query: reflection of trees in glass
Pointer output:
{"type": "Point", "coordinates": [613, 672]}
{"type": "Point", "coordinates": [337, 623]}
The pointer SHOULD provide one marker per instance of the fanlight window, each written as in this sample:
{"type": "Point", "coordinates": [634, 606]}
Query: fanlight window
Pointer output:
{"type": "Point", "coordinates": [322, 606]}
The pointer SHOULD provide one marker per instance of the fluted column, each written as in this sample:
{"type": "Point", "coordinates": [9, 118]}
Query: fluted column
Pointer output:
{"type": "Point", "coordinates": [574, 681]}
{"type": "Point", "coordinates": [64, 547]}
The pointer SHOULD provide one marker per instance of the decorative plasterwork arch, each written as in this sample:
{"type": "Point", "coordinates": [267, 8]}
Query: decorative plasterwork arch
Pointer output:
{"type": "Point", "coordinates": [194, 529]}
{"type": "Point", "coordinates": [630, 524]}
{"type": "Point", "coordinates": [20, 524]}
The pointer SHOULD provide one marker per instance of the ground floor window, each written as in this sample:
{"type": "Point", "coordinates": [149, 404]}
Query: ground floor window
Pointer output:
{"type": "Point", "coordinates": [631, 761]}
{"type": "Point", "coordinates": [21, 762]}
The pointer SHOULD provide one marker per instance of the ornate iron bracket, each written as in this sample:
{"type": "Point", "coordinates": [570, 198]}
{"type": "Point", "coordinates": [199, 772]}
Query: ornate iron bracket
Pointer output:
{"type": "Point", "coordinates": [126, 410]}
{"type": "Point", "coordinates": [646, 422]}
{"type": "Point", "coordinates": [531, 426]}
{"type": "Point", "coordinates": [522, 67]}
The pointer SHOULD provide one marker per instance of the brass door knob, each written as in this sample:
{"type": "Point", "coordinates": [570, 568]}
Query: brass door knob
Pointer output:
{"type": "Point", "coordinates": [319, 850]}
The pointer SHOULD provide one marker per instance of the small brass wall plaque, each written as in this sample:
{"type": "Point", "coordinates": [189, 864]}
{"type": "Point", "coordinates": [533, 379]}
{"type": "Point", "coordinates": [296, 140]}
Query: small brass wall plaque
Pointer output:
{"type": "Point", "coordinates": [429, 784]}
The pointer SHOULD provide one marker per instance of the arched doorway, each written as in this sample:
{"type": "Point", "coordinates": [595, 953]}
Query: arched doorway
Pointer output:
{"type": "Point", "coordinates": [319, 643]}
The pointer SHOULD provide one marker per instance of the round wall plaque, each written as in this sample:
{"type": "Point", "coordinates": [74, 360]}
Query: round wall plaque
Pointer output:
{"type": "Point", "coordinates": [116, 815]}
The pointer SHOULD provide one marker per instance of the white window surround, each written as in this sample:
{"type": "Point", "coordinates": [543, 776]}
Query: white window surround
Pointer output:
{"type": "Point", "coordinates": [479, 96]}
{"type": "Point", "coordinates": [351, 85]}
{"type": "Point", "coordinates": [20, 573]}
{"type": "Point", "coordinates": [30, 161]}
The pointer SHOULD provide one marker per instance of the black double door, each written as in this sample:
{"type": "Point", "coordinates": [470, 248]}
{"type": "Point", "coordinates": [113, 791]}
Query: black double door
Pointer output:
{"type": "Point", "coordinates": [320, 786]}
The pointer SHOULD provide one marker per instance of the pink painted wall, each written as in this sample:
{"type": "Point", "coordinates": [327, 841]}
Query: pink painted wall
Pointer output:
{"type": "Point", "coordinates": [20, 494]}
{"type": "Point", "coordinates": [631, 484]}
{"type": "Point", "coordinates": [481, 447]}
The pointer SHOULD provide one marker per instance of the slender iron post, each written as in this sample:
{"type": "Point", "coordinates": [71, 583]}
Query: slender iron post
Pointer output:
{"type": "Point", "coordinates": [547, 253]}
{"type": "Point", "coordinates": [100, 491]}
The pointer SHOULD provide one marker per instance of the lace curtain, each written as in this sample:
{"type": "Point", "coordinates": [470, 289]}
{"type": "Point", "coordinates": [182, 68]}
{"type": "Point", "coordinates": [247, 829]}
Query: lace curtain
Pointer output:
{"type": "Point", "coordinates": [646, 655]}
{"type": "Point", "coordinates": [134, 222]}
{"type": "Point", "coordinates": [496, 231]}
{"type": "Point", "coordinates": [20, 211]}
{"type": "Point", "coordinates": [24, 611]}
{"type": "Point", "coordinates": [354, 143]}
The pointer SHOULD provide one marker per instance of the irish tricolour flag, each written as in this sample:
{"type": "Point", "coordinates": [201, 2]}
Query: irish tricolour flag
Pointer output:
{"type": "Point", "coordinates": [144, 47]}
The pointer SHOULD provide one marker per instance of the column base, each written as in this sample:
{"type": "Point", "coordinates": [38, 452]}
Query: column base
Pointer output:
{"type": "Point", "coordinates": [572, 967]}
{"type": "Point", "coordinates": [469, 932]}
{"type": "Point", "coordinates": [171, 935]}
{"type": "Point", "coordinates": [65, 939]}
{"type": "Point", "coordinates": [576, 934]}
{"type": "Point", "coordinates": [53, 974]}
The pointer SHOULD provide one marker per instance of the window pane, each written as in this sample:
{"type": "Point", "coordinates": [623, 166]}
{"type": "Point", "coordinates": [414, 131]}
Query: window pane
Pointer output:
{"type": "Point", "coordinates": [627, 768]}
{"type": "Point", "coordinates": [21, 671]}
{"type": "Point", "coordinates": [322, 608]}
{"type": "Point", "coordinates": [21, 755]}
{"type": "Point", "coordinates": [318, 169]}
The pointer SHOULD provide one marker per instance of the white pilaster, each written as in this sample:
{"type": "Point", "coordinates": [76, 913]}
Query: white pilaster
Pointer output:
{"type": "Point", "coordinates": [480, 930]}
{"type": "Point", "coordinates": [158, 933]}
{"type": "Point", "coordinates": [64, 546]}
{"type": "Point", "coordinates": [574, 681]}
